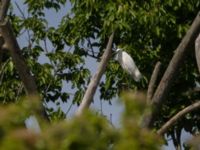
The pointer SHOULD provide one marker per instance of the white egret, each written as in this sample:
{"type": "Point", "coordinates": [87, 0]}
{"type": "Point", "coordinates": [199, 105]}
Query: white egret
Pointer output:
{"type": "Point", "coordinates": [128, 64]}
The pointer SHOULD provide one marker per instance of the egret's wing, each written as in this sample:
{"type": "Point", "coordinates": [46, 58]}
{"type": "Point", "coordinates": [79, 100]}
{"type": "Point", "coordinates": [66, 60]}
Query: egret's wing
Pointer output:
{"type": "Point", "coordinates": [130, 66]}
{"type": "Point", "coordinates": [128, 63]}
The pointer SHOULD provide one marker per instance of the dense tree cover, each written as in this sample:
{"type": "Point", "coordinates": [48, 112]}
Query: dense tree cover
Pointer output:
{"type": "Point", "coordinates": [148, 30]}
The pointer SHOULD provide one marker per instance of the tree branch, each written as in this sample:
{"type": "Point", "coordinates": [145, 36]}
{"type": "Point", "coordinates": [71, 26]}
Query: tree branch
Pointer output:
{"type": "Point", "coordinates": [178, 116]}
{"type": "Point", "coordinates": [172, 70]}
{"type": "Point", "coordinates": [89, 94]}
{"type": "Point", "coordinates": [4, 8]}
{"type": "Point", "coordinates": [12, 45]}
{"type": "Point", "coordinates": [3, 11]}
{"type": "Point", "coordinates": [152, 82]}
{"type": "Point", "coordinates": [197, 51]}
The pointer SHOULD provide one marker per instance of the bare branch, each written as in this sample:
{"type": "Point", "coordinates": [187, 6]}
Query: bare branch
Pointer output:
{"type": "Point", "coordinates": [178, 116]}
{"type": "Point", "coordinates": [4, 8]}
{"type": "Point", "coordinates": [92, 51]}
{"type": "Point", "coordinates": [152, 82]}
{"type": "Point", "coordinates": [172, 70]}
{"type": "Point", "coordinates": [90, 44]}
{"type": "Point", "coordinates": [197, 51]}
{"type": "Point", "coordinates": [20, 10]}
{"type": "Point", "coordinates": [93, 56]}
{"type": "Point", "coordinates": [12, 45]}
{"type": "Point", "coordinates": [89, 94]}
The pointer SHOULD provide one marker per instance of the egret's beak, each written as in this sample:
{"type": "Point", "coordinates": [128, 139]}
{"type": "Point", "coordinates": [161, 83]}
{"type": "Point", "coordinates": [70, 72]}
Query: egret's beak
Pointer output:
{"type": "Point", "coordinates": [114, 51]}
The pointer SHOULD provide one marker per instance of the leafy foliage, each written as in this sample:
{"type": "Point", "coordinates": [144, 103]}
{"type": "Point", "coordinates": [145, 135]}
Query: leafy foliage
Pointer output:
{"type": "Point", "coordinates": [149, 30]}
{"type": "Point", "coordinates": [88, 131]}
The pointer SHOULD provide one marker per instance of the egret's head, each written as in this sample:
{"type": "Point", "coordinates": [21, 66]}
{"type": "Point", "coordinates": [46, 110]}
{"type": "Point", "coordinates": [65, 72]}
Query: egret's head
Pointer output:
{"type": "Point", "coordinates": [118, 50]}
{"type": "Point", "coordinates": [118, 54]}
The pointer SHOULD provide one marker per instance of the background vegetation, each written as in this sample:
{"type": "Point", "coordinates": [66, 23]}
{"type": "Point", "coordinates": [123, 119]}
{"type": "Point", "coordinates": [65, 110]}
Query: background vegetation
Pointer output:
{"type": "Point", "coordinates": [149, 31]}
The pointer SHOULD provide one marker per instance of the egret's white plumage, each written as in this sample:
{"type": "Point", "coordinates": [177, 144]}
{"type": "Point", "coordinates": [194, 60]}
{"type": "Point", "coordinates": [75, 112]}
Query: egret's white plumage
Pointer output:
{"type": "Point", "coordinates": [128, 64]}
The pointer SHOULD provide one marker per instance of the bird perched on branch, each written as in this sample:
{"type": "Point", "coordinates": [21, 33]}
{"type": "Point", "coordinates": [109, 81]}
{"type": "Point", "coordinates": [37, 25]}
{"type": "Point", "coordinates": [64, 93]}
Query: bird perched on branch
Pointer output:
{"type": "Point", "coordinates": [128, 64]}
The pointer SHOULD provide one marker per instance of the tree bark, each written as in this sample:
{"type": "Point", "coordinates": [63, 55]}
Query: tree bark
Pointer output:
{"type": "Point", "coordinates": [153, 81]}
{"type": "Point", "coordinates": [12, 45]}
{"type": "Point", "coordinates": [3, 11]}
{"type": "Point", "coordinates": [172, 71]}
{"type": "Point", "coordinates": [178, 116]}
{"type": "Point", "coordinates": [21, 66]}
{"type": "Point", "coordinates": [89, 94]}
{"type": "Point", "coordinates": [4, 8]}
{"type": "Point", "coordinates": [197, 51]}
